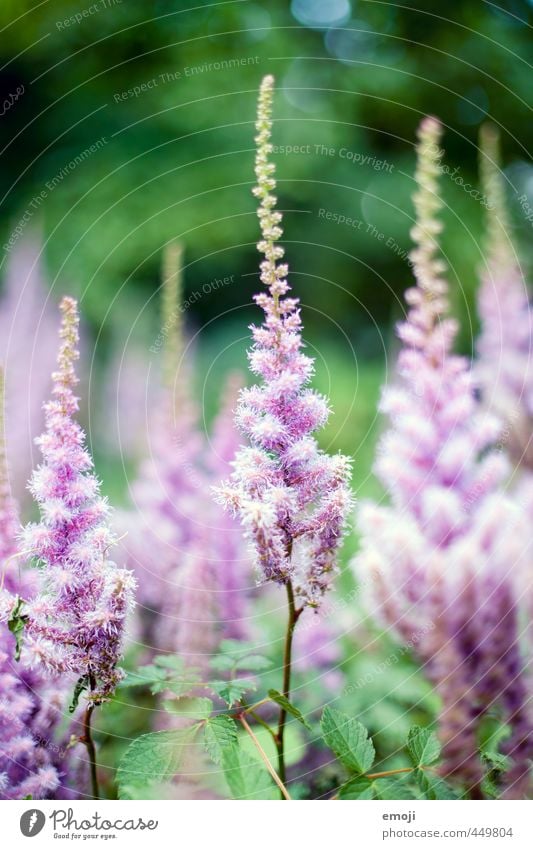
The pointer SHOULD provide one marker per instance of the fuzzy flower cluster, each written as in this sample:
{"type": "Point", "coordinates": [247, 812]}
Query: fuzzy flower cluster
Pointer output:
{"type": "Point", "coordinates": [449, 554]}
{"type": "Point", "coordinates": [187, 554]}
{"type": "Point", "coordinates": [291, 497]}
{"type": "Point", "coordinates": [505, 345]}
{"type": "Point", "coordinates": [76, 622]}
{"type": "Point", "coordinates": [32, 760]}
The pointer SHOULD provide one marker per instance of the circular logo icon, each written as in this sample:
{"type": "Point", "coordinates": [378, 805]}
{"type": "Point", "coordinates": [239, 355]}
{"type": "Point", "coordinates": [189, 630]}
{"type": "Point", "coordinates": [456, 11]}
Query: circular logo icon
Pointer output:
{"type": "Point", "coordinates": [32, 822]}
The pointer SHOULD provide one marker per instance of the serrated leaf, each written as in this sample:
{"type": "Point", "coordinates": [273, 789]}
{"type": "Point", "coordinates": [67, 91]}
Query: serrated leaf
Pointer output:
{"type": "Point", "coordinates": [239, 657]}
{"type": "Point", "coordinates": [495, 761]}
{"type": "Point", "coordinates": [167, 672]}
{"type": "Point", "coordinates": [16, 624]}
{"type": "Point", "coordinates": [356, 788]}
{"type": "Point", "coordinates": [423, 746]}
{"type": "Point", "coordinates": [222, 663]}
{"type": "Point", "coordinates": [155, 757]}
{"type": "Point", "coordinates": [348, 739]}
{"type": "Point", "coordinates": [232, 691]}
{"type": "Point", "coordinates": [433, 787]}
{"type": "Point", "coordinates": [176, 687]}
{"type": "Point", "coordinates": [155, 791]}
{"type": "Point", "coordinates": [247, 778]}
{"type": "Point", "coordinates": [81, 685]}
{"type": "Point", "coordinates": [220, 735]}
{"type": "Point", "coordinates": [236, 648]}
{"type": "Point", "coordinates": [389, 789]}
{"type": "Point", "coordinates": [492, 734]}
{"type": "Point", "coordinates": [283, 702]}
{"type": "Point", "coordinates": [171, 661]}
{"type": "Point", "coordinates": [144, 677]}
{"type": "Point", "coordinates": [386, 789]}
{"type": "Point", "coordinates": [193, 707]}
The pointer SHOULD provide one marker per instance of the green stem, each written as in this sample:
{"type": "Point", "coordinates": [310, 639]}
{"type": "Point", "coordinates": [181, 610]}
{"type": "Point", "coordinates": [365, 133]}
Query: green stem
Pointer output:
{"type": "Point", "coordinates": [287, 660]}
{"type": "Point", "coordinates": [264, 757]}
{"type": "Point", "coordinates": [261, 722]}
{"type": "Point", "coordinates": [250, 708]}
{"type": "Point", "coordinates": [388, 772]}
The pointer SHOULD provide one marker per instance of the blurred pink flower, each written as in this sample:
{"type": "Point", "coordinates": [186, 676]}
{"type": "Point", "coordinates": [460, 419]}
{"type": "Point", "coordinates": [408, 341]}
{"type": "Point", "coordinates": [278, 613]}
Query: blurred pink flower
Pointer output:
{"type": "Point", "coordinates": [27, 353]}
{"type": "Point", "coordinates": [450, 556]}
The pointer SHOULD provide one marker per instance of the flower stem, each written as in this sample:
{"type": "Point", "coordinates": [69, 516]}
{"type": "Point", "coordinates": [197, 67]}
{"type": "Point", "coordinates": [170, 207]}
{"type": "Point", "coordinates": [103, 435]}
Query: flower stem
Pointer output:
{"type": "Point", "coordinates": [287, 660]}
{"type": "Point", "coordinates": [261, 722]}
{"type": "Point", "coordinates": [389, 772]}
{"type": "Point", "coordinates": [283, 790]}
{"type": "Point", "coordinates": [87, 739]}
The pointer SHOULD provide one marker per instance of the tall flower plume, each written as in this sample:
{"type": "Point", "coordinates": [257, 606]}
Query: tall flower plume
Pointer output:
{"type": "Point", "coordinates": [450, 554]}
{"type": "Point", "coordinates": [76, 622]}
{"type": "Point", "coordinates": [33, 760]}
{"type": "Point", "coordinates": [291, 497]}
{"type": "Point", "coordinates": [505, 345]}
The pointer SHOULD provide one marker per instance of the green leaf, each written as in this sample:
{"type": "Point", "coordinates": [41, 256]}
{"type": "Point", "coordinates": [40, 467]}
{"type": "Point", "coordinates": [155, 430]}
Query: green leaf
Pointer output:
{"type": "Point", "coordinates": [387, 789]}
{"type": "Point", "coordinates": [223, 663]}
{"type": "Point", "coordinates": [173, 662]}
{"type": "Point", "coordinates": [220, 735]}
{"type": "Point", "coordinates": [16, 624]}
{"type": "Point", "coordinates": [348, 739]}
{"type": "Point", "coordinates": [81, 685]}
{"type": "Point", "coordinates": [152, 758]}
{"type": "Point", "coordinates": [192, 707]}
{"type": "Point", "coordinates": [283, 702]}
{"type": "Point", "coordinates": [247, 778]}
{"type": "Point", "coordinates": [423, 746]}
{"type": "Point", "coordinates": [232, 691]}
{"type": "Point", "coordinates": [236, 648]}
{"type": "Point", "coordinates": [237, 656]}
{"type": "Point", "coordinates": [492, 734]}
{"type": "Point", "coordinates": [433, 787]}
{"type": "Point", "coordinates": [167, 672]}
{"type": "Point", "coordinates": [495, 761]}
{"type": "Point", "coordinates": [357, 788]}
{"type": "Point", "coordinates": [391, 789]}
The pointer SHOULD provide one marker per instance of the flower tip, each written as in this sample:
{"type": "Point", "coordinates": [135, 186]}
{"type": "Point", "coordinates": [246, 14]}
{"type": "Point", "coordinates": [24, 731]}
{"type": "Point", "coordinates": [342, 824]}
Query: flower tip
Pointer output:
{"type": "Point", "coordinates": [68, 305]}
{"type": "Point", "coordinates": [488, 134]}
{"type": "Point", "coordinates": [429, 130]}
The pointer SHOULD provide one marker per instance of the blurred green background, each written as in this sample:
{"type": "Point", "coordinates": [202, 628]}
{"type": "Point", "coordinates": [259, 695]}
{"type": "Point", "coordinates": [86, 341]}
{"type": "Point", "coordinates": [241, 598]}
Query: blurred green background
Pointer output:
{"type": "Point", "coordinates": [111, 172]}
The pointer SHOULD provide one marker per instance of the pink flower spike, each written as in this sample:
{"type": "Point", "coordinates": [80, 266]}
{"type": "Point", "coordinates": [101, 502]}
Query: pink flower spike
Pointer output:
{"type": "Point", "coordinates": [283, 479]}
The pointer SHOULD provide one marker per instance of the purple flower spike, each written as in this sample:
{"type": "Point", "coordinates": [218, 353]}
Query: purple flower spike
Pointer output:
{"type": "Point", "coordinates": [76, 623]}
{"type": "Point", "coordinates": [33, 758]}
{"type": "Point", "coordinates": [291, 497]}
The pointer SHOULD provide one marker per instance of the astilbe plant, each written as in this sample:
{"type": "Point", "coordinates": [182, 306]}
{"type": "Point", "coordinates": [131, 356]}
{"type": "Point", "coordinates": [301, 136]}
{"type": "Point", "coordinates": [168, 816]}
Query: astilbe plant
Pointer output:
{"type": "Point", "coordinates": [34, 759]}
{"type": "Point", "coordinates": [187, 554]}
{"type": "Point", "coordinates": [450, 553]}
{"type": "Point", "coordinates": [291, 497]}
{"type": "Point", "coordinates": [74, 626]}
{"type": "Point", "coordinates": [505, 345]}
